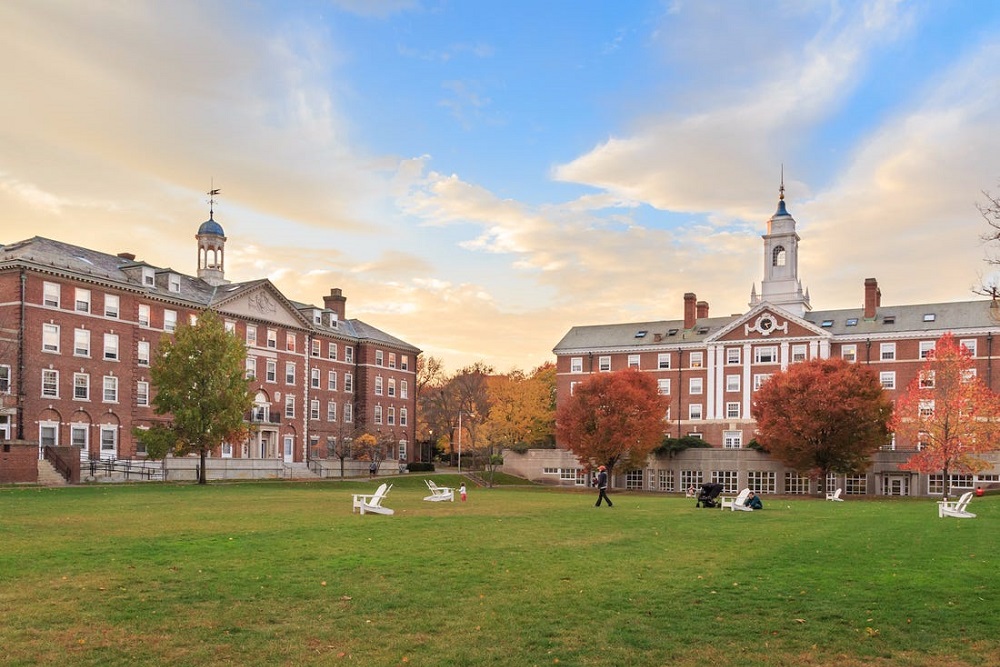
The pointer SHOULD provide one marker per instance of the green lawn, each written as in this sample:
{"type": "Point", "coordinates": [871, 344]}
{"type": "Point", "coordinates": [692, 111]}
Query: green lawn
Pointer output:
{"type": "Point", "coordinates": [283, 574]}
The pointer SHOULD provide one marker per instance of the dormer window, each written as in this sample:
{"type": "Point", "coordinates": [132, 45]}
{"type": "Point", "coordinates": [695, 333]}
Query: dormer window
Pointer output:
{"type": "Point", "coordinates": [929, 317]}
{"type": "Point", "coordinates": [641, 333]}
{"type": "Point", "coordinates": [148, 276]}
{"type": "Point", "coordinates": [826, 324]}
{"type": "Point", "coordinates": [174, 282]}
{"type": "Point", "coordinates": [851, 322]}
{"type": "Point", "coordinates": [889, 319]}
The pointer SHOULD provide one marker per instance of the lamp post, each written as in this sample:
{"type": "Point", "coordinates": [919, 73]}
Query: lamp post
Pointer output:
{"type": "Point", "coordinates": [460, 413]}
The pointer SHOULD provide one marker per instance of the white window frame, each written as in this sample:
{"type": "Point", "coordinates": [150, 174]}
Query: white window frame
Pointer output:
{"type": "Point", "coordinates": [663, 361]}
{"type": "Point", "coordinates": [51, 294]}
{"type": "Point", "coordinates": [377, 418]}
{"type": "Point", "coordinates": [732, 439]}
{"type": "Point", "coordinates": [696, 360]}
{"type": "Point", "coordinates": [734, 356]}
{"type": "Point", "coordinates": [765, 354]}
{"type": "Point", "coordinates": [112, 306]}
{"type": "Point", "coordinates": [289, 406]}
{"type": "Point", "coordinates": [695, 411]}
{"type": "Point", "coordinates": [81, 343]}
{"type": "Point", "coordinates": [759, 379]}
{"type": "Point", "coordinates": [887, 379]}
{"type": "Point", "coordinates": [926, 346]}
{"type": "Point", "coordinates": [696, 386]}
{"type": "Point", "coordinates": [378, 385]}
{"type": "Point", "coordinates": [331, 351]}
{"type": "Point", "coordinates": [349, 354]}
{"type": "Point", "coordinates": [169, 320]}
{"type": "Point", "coordinates": [331, 411]}
{"type": "Point", "coordinates": [887, 351]}
{"type": "Point", "coordinates": [81, 302]}
{"type": "Point", "coordinates": [272, 339]}
{"type": "Point", "coordinates": [800, 352]}
{"type": "Point", "coordinates": [111, 344]}
{"type": "Point", "coordinates": [271, 371]}
{"type": "Point", "coordinates": [349, 383]}
{"type": "Point", "coordinates": [379, 358]}
{"type": "Point", "coordinates": [733, 382]}
{"type": "Point", "coordinates": [663, 386]}
{"type": "Point", "coordinates": [314, 378]}
{"type": "Point", "coordinates": [81, 381]}
{"type": "Point", "coordinates": [50, 383]}
{"type": "Point", "coordinates": [331, 380]}
{"type": "Point", "coordinates": [142, 353]}
{"type": "Point", "coordinates": [251, 335]}
{"type": "Point", "coordinates": [109, 389]}
{"type": "Point", "coordinates": [604, 364]}
{"type": "Point", "coordinates": [290, 372]}
{"type": "Point", "coordinates": [314, 409]}
{"type": "Point", "coordinates": [142, 393]}
{"type": "Point", "coordinates": [633, 361]}
{"type": "Point", "coordinates": [733, 409]}
{"type": "Point", "coordinates": [849, 353]}
{"type": "Point", "coordinates": [969, 344]}
{"type": "Point", "coordinates": [50, 337]}
{"type": "Point", "coordinates": [404, 391]}
{"type": "Point", "coordinates": [143, 315]}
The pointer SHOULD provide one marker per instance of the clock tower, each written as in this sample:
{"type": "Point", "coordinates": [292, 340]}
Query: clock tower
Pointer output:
{"type": "Point", "coordinates": [781, 285]}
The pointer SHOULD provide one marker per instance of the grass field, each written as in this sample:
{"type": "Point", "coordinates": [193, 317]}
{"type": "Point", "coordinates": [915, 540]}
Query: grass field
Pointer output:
{"type": "Point", "coordinates": [283, 574]}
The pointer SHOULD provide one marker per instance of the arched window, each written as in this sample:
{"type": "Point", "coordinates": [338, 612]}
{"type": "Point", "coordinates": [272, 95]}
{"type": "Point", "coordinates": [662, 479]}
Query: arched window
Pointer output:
{"type": "Point", "coordinates": [779, 256]}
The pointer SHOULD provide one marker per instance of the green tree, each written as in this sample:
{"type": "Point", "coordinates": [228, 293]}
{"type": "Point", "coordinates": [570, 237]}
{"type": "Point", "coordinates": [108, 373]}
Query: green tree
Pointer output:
{"type": "Point", "coordinates": [823, 416]}
{"type": "Point", "coordinates": [949, 413]}
{"type": "Point", "coordinates": [200, 383]}
{"type": "Point", "coordinates": [613, 418]}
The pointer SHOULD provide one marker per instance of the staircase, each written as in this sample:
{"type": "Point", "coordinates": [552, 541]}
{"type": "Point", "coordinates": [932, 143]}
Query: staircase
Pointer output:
{"type": "Point", "coordinates": [48, 475]}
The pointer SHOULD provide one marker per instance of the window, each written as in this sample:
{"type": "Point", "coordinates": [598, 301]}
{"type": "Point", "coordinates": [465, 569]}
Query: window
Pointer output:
{"type": "Point", "coordinates": [378, 385]}
{"type": "Point", "coordinates": [50, 383]}
{"type": "Point", "coordinates": [849, 353]}
{"type": "Point", "coordinates": [759, 379]}
{"type": "Point", "coordinates": [82, 300]}
{"type": "Point", "coordinates": [664, 480]}
{"type": "Point", "coordinates": [230, 327]}
{"type": "Point", "coordinates": [50, 294]}
{"type": "Point", "coordinates": [691, 479]}
{"type": "Point", "coordinates": [331, 380]}
{"type": "Point", "coordinates": [392, 387]}
{"type": "Point", "coordinates": [851, 322]}
{"type": "Point", "coordinates": [695, 385]}
{"type": "Point", "coordinates": [50, 338]}
{"type": "Point", "coordinates": [109, 441]}
{"type": "Point", "coordinates": [856, 485]}
{"type": "Point", "coordinates": [289, 372]}
{"type": "Point", "coordinates": [392, 360]}
{"type": "Point", "coordinates": [110, 347]}
{"type": "Point", "coordinates": [728, 480]}
{"type": "Point", "coordinates": [290, 341]}
{"type": "Point", "coordinates": [572, 388]}
{"type": "Point", "coordinates": [111, 305]}
{"type": "Point", "coordinates": [696, 359]}
{"type": "Point", "coordinates": [331, 351]}
{"type": "Point", "coordinates": [251, 367]}
{"type": "Point", "coordinates": [314, 378]}
{"type": "Point", "coordinates": [796, 484]}
{"type": "Point", "coordinates": [633, 361]}
{"type": "Point", "coordinates": [331, 411]}
{"type": "Point", "coordinates": [576, 365]}
{"type": "Point", "coordinates": [348, 383]}
{"type": "Point", "coordinates": [349, 354]}
{"type": "Point", "coordinates": [663, 360]}
{"type": "Point", "coordinates": [926, 379]}
{"type": "Point", "coordinates": [404, 362]}
{"type": "Point", "coordinates": [929, 317]}
{"type": "Point", "coordinates": [798, 353]}
{"type": "Point", "coordinates": [81, 343]}
{"type": "Point", "coordinates": [403, 391]}
{"type": "Point", "coordinates": [142, 393]}
{"type": "Point", "coordinates": [251, 335]}
{"type": "Point", "coordinates": [314, 409]}
{"type": "Point", "coordinates": [778, 256]}
{"type": "Point", "coordinates": [732, 410]}
{"type": "Point", "coordinates": [271, 370]}
{"type": "Point", "coordinates": [81, 386]}
{"type": "Point", "coordinates": [761, 481]}
{"type": "Point", "coordinates": [887, 351]}
{"type": "Point", "coordinates": [272, 338]}
{"type": "Point", "coordinates": [174, 282]}
{"type": "Point", "coordinates": [926, 408]}
{"type": "Point", "coordinates": [732, 439]}
{"type": "Point", "coordinates": [732, 356]}
{"type": "Point", "coordinates": [143, 315]}
{"type": "Point", "coordinates": [765, 355]}
{"type": "Point", "coordinates": [604, 364]}
{"type": "Point", "coordinates": [314, 348]}
{"type": "Point", "coordinates": [390, 416]}
{"type": "Point", "coordinates": [694, 411]}
{"type": "Point", "coordinates": [348, 412]}
{"type": "Point", "coordinates": [48, 434]}
{"type": "Point", "coordinates": [142, 353]}
{"type": "Point", "coordinates": [826, 324]}
{"type": "Point", "coordinates": [663, 386]}
{"type": "Point", "coordinates": [969, 344]}
{"type": "Point", "coordinates": [732, 383]}
{"type": "Point", "coordinates": [289, 406]}
{"type": "Point", "coordinates": [169, 320]}
{"type": "Point", "coordinates": [926, 347]}
{"type": "Point", "coordinates": [402, 416]}
{"type": "Point", "coordinates": [887, 379]}
{"type": "Point", "coordinates": [110, 389]}
{"type": "Point", "coordinates": [4, 379]}
{"type": "Point", "coordinates": [378, 414]}
{"type": "Point", "coordinates": [378, 357]}
{"type": "Point", "coordinates": [148, 276]}
{"type": "Point", "coordinates": [78, 436]}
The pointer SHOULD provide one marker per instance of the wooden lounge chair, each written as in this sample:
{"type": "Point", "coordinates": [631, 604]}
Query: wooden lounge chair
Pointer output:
{"type": "Point", "coordinates": [835, 496]}
{"type": "Point", "coordinates": [439, 493]}
{"type": "Point", "coordinates": [737, 503]}
{"type": "Point", "coordinates": [956, 508]}
{"type": "Point", "coordinates": [372, 502]}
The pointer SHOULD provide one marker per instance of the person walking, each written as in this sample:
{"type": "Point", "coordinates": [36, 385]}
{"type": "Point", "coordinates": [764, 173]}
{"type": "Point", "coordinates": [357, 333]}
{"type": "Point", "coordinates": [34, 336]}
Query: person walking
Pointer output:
{"type": "Point", "coordinates": [602, 485]}
{"type": "Point", "coordinates": [462, 492]}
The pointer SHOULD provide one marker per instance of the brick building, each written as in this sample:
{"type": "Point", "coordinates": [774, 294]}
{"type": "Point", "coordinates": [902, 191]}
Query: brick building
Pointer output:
{"type": "Point", "coordinates": [710, 367]}
{"type": "Point", "coordinates": [78, 329]}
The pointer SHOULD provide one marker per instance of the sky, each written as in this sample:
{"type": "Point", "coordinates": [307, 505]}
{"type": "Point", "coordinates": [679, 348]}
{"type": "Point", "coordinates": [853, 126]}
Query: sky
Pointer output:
{"type": "Point", "coordinates": [479, 176]}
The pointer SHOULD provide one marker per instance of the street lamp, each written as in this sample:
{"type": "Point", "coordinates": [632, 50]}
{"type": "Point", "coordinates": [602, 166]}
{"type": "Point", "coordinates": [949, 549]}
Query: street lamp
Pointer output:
{"type": "Point", "coordinates": [460, 413]}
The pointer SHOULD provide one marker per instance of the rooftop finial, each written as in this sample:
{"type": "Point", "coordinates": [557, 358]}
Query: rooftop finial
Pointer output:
{"type": "Point", "coordinates": [781, 190]}
{"type": "Point", "coordinates": [212, 193]}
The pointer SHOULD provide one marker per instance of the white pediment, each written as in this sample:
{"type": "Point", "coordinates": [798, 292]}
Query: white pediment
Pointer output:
{"type": "Point", "coordinates": [262, 302]}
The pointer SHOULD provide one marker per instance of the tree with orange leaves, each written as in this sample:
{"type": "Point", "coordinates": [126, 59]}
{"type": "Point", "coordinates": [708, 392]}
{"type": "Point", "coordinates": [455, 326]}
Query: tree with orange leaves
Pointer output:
{"type": "Point", "coordinates": [948, 413]}
{"type": "Point", "coordinates": [822, 416]}
{"type": "Point", "coordinates": [613, 418]}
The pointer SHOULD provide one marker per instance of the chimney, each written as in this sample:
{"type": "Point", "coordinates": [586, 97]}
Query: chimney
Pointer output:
{"type": "Point", "coordinates": [336, 302]}
{"type": "Point", "coordinates": [689, 310]}
{"type": "Point", "coordinates": [701, 308]}
{"type": "Point", "coordinates": [873, 298]}
{"type": "Point", "coordinates": [127, 255]}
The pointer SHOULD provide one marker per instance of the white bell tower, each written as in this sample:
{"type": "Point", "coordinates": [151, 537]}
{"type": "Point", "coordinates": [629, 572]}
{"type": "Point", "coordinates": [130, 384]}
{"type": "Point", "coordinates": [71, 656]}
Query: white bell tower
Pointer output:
{"type": "Point", "coordinates": [781, 285]}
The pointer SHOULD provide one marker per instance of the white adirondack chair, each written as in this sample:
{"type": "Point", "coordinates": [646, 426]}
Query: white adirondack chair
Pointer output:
{"type": "Point", "coordinates": [835, 495]}
{"type": "Point", "coordinates": [956, 508]}
{"type": "Point", "coordinates": [736, 504]}
{"type": "Point", "coordinates": [439, 493]}
{"type": "Point", "coordinates": [372, 502]}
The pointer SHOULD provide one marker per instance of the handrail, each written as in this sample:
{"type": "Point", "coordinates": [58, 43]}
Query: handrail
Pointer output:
{"type": "Point", "coordinates": [61, 466]}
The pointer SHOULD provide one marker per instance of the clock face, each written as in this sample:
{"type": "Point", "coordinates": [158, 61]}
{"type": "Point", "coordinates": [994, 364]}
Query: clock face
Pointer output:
{"type": "Point", "coordinates": [766, 324]}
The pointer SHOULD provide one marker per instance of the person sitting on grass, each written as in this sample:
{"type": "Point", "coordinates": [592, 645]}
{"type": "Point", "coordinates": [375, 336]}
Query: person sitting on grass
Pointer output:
{"type": "Point", "coordinates": [753, 502]}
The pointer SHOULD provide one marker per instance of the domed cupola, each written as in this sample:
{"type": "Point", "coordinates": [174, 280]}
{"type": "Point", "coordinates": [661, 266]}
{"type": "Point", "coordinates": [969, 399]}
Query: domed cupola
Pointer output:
{"type": "Point", "coordinates": [211, 247]}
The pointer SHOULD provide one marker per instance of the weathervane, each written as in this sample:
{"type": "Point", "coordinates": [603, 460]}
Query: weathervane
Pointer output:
{"type": "Point", "coordinates": [781, 190]}
{"type": "Point", "coordinates": [212, 194]}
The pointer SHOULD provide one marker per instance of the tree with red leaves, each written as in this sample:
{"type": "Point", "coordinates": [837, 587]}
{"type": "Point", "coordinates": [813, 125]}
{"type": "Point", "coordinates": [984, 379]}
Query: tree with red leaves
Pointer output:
{"type": "Point", "coordinates": [948, 414]}
{"type": "Point", "coordinates": [613, 418]}
{"type": "Point", "coordinates": [823, 416]}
